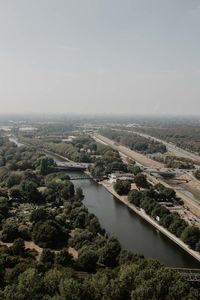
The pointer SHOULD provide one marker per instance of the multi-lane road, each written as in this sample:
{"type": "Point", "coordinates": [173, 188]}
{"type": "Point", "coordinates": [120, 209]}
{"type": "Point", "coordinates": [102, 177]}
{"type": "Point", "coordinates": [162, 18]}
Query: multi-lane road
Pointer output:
{"type": "Point", "coordinates": [170, 147]}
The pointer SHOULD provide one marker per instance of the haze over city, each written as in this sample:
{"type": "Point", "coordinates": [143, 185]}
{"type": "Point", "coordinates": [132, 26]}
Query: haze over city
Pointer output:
{"type": "Point", "coordinates": [108, 56]}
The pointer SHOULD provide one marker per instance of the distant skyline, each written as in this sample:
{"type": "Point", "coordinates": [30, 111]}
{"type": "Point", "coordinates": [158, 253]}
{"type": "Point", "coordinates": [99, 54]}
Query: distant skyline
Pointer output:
{"type": "Point", "coordinates": [100, 56]}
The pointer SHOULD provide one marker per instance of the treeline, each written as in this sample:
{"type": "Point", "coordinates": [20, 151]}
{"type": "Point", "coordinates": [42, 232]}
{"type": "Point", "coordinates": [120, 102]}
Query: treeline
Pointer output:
{"type": "Point", "coordinates": [175, 162]}
{"type": "Point", "coordinates": [78, 260]}
{"type": "Point", "coordinates": [82, 149]}
{"type": "Point", "coordinates": [149, 201]}
{"type": "Point", "coordinates": [135, 141]}
{"type": "Point", "coordinates": [184, 136]}
{"type": "Point", "coordinates": [69, 150]}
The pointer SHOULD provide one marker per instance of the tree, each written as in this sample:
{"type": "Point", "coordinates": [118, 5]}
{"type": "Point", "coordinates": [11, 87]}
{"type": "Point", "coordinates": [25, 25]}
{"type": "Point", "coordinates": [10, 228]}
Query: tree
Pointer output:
{"type": "Point", "coordinates": [51, 281]}
{"type": "Point", "coordinates": [9, 232]}
{"type": "Point", "coordinates": [47, 258]}
{"type": "Point", "coordinates": [80, 238]}
{"type": "Point", "coordinates": [166, 220]}
{"type": "Point", "coordinates": [24, 232]}
{"type": "Point", "coordinates": [68, 190]}
{"type": "Point", "coordinates": [81, 220]}
{"type": "Point", "coordinates": [94, 225]}
{"type": "Point", "coordinates": [122, 187]}
{"type": "Point", "coordinates": [125, 257]}
{"type": "Point", "coordinates": [18, 247]}
{"type": "Point", "coordinates": [110, 252]}
{"type": "Point", "coordinates": [135, 197]}
{"type": "Point", "coordinates": [133, 168]}
{"type": "Point", "coordinates": [87, 260]}
{"type": "Point", "coordinates": [39, 214]}
{"type": "Point", "coordinates": [191, 236]}
{"type": "Point", "coordinates": [49, 234]}
{"type": "Point", "coordinates": [13, 179]}
{"type": "Point", "coordinates": [29, 286]}
{"type": "Point", "coordinates": [141, 181]}
{"type": "Point", "coordinates": [15, 193]}
{"type": "Point", "coordinates": [70, 289]}
{"type": "Point", "coordinates": [4, 206]}
{"type": "Point", "coordinates": [63, 258]}
{"type": "Point", "coordinates": [177, 226]}
{"type": "Point", "coordinates": [46, 165]}
{"type": "Point", "coordinates": [149, 204]}
{"type": "Point", "coordinates": [30, 192]}
{"type": "Point", "coordinates": [79, 193]}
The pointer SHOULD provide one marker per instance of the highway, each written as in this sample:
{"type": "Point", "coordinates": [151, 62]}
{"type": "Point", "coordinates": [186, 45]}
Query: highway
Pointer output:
{"type": "Point", "coordinates": [140, 158]}
{"type": "Point", "coordinates": [177, 151]}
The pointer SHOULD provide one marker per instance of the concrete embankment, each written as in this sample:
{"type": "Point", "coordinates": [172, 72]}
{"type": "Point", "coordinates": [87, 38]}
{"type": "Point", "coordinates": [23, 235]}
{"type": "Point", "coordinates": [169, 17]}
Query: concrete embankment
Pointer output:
{"type": "Point", "coordinates": [143, 215]}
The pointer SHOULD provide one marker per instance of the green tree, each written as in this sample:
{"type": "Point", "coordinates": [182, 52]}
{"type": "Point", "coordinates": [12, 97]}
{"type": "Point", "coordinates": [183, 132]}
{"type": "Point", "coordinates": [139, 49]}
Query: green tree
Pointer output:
{"type": "Point", "coordinates": [9, 232]}
{"type": "Point", "coordinates": [51, 281]}
{"type": "Point", "coordinates": [30, 191]}
{"type": "Point", "coordinates": [4, 206]}
{"type": "Point", "coordinates": [87, 260]}
{"type": "Point", "coordinates": [47, 258]}
{"type": "Point", "coordinates": [18, 247]}
{"type": "Point", "coordinates": [39, 214]}
{"type": "Point", "coordinates": [191, 236]}
{"type": "Point", "coordinates": [141, 181]}
{"type": "Point", "coordinates": [49, 234]}
{"type": "Point", "coordinates": [46, 165]}
{"type": "Point", "coordinates": [110, 252]}
{"type": "Point", "coordinates": [70, 289]}
{"type": "Point", "coordinates": [15, 193]}
{"type": "Point", "coordinates": [63, 258]}
{"type": "Point", "coordinates": [135, 197]}
{"type": "Point", "coordinates": [13, 179]}
{"type": "Point", "coordinates": [122, 187]}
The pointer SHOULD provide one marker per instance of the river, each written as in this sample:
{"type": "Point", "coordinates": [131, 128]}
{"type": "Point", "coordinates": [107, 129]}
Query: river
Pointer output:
{"type": "Point", "coordinates": [132, 231]}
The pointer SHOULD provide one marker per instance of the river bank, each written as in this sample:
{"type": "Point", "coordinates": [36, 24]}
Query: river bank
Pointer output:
{"type": "Point", "coordinates": [109, 187]}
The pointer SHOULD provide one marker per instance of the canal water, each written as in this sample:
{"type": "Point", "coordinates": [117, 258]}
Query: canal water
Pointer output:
{"type": "Point", "coordinates": [131, 230]}
{"type": "Point", "coordinates": [134, 233]}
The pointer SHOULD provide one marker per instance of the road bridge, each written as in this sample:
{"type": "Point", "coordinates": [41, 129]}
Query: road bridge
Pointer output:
{"type": "Point", "coordinates": [191, 275]}
{"type": "Point", "coordinates": [71, 166]}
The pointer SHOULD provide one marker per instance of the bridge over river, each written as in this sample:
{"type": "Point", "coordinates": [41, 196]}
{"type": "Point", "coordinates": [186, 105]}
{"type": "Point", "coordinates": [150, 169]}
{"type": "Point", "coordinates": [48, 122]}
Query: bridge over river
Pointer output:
{"type": "Point", "coordinates": [191, 275]}
{"type": "Point", "coordinates": [71, 166]}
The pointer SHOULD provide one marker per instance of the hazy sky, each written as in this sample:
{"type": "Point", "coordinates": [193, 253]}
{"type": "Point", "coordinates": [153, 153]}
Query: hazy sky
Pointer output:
{"type": "Point", "coordinates": [95, 56]}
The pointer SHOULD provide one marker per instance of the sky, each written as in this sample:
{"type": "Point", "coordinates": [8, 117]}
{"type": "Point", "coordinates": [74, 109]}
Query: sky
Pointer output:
{"type": "Point", "coordinates": [100, 56]}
